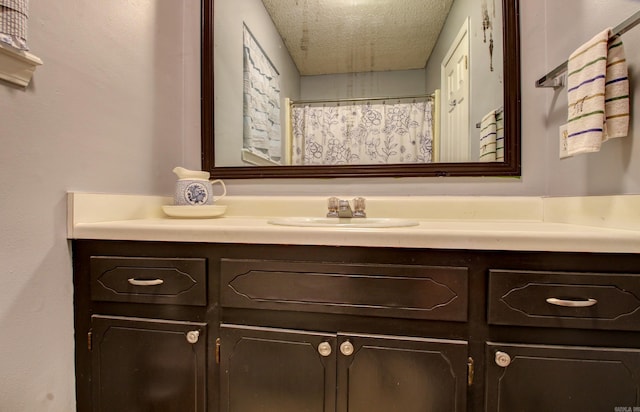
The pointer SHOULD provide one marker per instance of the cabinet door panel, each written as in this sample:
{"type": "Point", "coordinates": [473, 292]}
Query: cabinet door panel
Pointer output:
{"type": "Point", "coordinates": [391, 374]}
{"type": "Point", "coordinates": [555, 378]}
{"type": "Point", "coordinates": [267, 369]}
{"type": "Point", "coordinates": [146, 365]}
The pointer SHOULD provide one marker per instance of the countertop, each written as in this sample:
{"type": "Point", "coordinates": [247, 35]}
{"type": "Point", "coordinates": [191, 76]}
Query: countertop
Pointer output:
{"type": "Point", "coordinates": [591, 224]}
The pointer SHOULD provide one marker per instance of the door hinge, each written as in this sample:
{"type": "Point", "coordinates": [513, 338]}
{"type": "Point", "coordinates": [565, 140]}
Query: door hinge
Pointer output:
{"type": "Point", "coordinates": [466, 62]}
{"type": "Point", "coordinates": [89, 341]}
{"type": "Point", "coordinates": [470, 371]}
{"type": "Point", "coordinates": [218, 351]}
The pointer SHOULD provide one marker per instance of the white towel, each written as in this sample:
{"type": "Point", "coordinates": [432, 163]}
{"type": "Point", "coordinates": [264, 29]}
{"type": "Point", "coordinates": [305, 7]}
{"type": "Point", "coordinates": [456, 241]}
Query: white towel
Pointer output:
{"type": "Point", "coordinates": [500, 135]}
{"type": "Point", "coordinates": [596, 75]}
{"type": "Point", "coordinates": [616, 92]}
{"type": "Point", "coordinates": [488, 133]}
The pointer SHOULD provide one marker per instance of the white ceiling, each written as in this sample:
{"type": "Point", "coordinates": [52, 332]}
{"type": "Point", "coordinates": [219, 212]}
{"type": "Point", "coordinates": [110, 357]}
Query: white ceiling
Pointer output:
{"type": "Point", "coordinates": [345, 36]}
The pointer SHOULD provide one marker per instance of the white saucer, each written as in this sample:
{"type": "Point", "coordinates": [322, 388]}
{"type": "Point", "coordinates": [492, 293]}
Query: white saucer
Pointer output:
{"type": "Point", "coordinates": [194, 211]}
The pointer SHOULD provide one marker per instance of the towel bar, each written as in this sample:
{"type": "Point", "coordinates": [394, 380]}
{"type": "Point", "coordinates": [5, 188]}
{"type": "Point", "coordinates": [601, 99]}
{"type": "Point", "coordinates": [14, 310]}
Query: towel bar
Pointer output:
{"type": "Point", "coordinates": [554, 79]}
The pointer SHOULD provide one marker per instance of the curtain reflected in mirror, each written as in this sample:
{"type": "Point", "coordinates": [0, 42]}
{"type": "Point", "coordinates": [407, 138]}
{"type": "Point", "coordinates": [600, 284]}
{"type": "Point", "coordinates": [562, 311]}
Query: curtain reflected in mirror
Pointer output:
{"type": "Point", "coordinates": [377, 131]}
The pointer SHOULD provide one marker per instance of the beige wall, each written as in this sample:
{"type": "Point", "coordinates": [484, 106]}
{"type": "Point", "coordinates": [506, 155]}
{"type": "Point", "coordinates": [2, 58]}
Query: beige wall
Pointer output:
{"type": "Point", "coordinates": [116, 106]}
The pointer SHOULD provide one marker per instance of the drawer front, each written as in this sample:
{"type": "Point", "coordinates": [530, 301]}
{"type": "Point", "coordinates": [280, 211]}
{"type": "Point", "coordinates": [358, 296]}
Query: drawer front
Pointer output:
{"type": "Point", "coordinates": [402, 291]}
{"type": "Point", "coordinates": [149, 280]}
{"type": "Point", "coordinates": [567, 300]}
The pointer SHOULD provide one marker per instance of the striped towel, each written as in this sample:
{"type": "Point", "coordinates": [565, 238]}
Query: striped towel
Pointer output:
{"type": "Point", "coordinates": [598, 90]}
{"type": "Point", "coordinates": [488, 133]}
{"type": "Point", "coordinates": [616, 92]}
{"type": "Point", "coordinates": [500, 135]}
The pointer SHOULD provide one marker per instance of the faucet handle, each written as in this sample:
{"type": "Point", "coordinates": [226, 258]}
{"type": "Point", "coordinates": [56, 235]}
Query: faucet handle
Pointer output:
{"type": "Point", "coordinates": [332, 205]}
{"type": "Point", "coordinates": [359, 206]}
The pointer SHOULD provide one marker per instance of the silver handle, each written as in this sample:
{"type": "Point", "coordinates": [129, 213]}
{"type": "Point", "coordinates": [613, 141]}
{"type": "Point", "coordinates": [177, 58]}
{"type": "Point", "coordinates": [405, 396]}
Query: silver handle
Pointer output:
{"type": "Point", "coordinates": [572, 303]}
{"type": "Point", "coordinates": [359, 205]}
{"type": "Point", "coordinates": [324, 349]}
{"type": "Point", "coordinates": [151, 282]}
{"type": "Point", "coordinates": [503, 359]}
{"type": "Point", "coordinates": [193, 336]}
{"type": "Point", "coordinates": [332, 206]}
{"type": "Point", "coordinates": [332, 203]}
{"type": "Point", "coordinates": [346, 348]}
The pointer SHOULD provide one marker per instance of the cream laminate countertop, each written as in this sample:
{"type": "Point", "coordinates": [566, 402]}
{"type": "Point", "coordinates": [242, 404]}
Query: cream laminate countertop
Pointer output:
{"type": "Point", "coordinates": [477, 223]}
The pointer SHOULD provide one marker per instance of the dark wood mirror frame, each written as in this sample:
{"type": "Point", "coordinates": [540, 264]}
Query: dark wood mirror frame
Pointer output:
{"type": "Point", "coordinates": [510, 167]}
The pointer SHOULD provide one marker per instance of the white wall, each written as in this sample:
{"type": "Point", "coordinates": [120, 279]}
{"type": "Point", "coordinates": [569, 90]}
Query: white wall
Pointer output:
{"type": "Point", "coordinates": [616, 168]}
{"type": "Point", "coordinates": [114, 107]}
{"type": "Point", "coordinates": [370, 84]}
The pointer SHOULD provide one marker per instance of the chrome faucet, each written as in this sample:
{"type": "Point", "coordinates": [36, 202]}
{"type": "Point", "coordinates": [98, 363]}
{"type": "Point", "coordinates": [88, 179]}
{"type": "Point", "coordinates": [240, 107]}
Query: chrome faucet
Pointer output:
{"type": "Point", "coordinates": [342, 208]}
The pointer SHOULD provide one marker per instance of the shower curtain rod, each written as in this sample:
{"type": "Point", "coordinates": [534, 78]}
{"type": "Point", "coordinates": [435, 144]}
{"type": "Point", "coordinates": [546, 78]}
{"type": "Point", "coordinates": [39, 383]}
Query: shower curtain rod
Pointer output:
{"type": "Point", "coordinates": [552, 79]}
{"type": "Point", "coordinates": [361, 99]}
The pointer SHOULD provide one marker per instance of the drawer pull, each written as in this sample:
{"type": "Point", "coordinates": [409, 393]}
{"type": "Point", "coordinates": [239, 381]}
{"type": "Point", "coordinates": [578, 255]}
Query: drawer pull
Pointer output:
{"type": "Point", "coordinates": [572, 303]}
{"type": "Point", "coordinates": [150, 282]}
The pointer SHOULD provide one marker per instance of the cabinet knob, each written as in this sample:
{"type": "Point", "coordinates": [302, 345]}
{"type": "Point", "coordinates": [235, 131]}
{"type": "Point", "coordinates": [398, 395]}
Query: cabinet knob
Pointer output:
{"type": "Point", "coordinates": [502, 359]}
{"type": "Point", "coordinates": [346, 348]}
{"type": "Point", "coordinates": [324, 349]}
{"type": "Point", "coordinates": [193, 336]}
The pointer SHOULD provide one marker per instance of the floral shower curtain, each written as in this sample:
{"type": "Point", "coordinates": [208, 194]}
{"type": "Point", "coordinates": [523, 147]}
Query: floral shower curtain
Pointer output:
{"type": "Point", "coordinates": [364, 132]}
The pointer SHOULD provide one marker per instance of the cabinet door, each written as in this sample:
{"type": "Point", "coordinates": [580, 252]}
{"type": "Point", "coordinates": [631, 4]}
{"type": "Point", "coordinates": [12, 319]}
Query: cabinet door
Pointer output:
{"type": "Point", "coordinates": [279, 370]}
{"type": "Point", "coordinates": [394, 374]}
{"type": "Point", "coordinates": [148, 365]}
{"type": "Point", "coordinates": [531, 378]}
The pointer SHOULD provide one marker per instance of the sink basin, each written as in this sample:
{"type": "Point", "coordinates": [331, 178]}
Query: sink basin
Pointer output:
{"type": "Point", "coordinates": [342, 222]}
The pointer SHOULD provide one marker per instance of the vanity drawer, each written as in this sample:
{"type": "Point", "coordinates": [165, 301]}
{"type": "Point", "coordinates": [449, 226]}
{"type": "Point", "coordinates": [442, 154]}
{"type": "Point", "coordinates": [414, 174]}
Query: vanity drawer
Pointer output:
{"type": "Point", "coordinates": [149, 280]}
{"type": "Point", "coordinates": [563, 299]}
{"type": "Point", "coordinates": [401, 291]}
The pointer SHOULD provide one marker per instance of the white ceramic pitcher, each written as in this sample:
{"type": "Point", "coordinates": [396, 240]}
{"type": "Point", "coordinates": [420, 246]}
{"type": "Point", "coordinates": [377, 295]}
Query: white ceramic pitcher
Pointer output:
{"type": "Point", "coordinates": [194, 188]}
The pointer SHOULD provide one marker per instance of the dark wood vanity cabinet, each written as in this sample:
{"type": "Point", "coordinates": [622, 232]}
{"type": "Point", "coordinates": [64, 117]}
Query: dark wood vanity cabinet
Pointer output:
{"type": "Point", "coordinates": [273, 369]}
{"type": "Point", "coordinates": [266, 369]}
{"type": "Point", "coordinates": [147, 364]}
{"type": "Point", "coordinates": [533, 378]}
{"type": "Point", "coordinates": [164, 326]}
{"type": "Point", "coordinates": [141, 329]}
{"type": "Point", "coordinates": [587, 372]}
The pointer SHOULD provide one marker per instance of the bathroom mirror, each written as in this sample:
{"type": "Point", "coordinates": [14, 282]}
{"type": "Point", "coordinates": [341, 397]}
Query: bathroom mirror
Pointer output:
{"type": "Point", "coordinates": [256, 33]}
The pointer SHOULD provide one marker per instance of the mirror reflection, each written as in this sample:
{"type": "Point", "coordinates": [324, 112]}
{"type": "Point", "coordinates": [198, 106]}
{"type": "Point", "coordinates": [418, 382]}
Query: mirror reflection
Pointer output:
{"type": "Point", "coordinates": [361, 82]}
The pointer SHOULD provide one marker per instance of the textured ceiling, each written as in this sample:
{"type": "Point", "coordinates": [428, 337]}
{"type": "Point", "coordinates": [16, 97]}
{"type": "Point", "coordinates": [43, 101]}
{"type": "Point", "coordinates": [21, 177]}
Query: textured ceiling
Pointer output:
{"type": "Point", "coordinates": [345, 36]}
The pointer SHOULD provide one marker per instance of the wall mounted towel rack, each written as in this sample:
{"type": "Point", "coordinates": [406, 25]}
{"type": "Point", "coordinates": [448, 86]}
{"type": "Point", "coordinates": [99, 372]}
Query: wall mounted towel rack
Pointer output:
{"type": "Point", "coordinates": [500, 110]}
{"type": "Point", "coordinates": [555, 79]}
